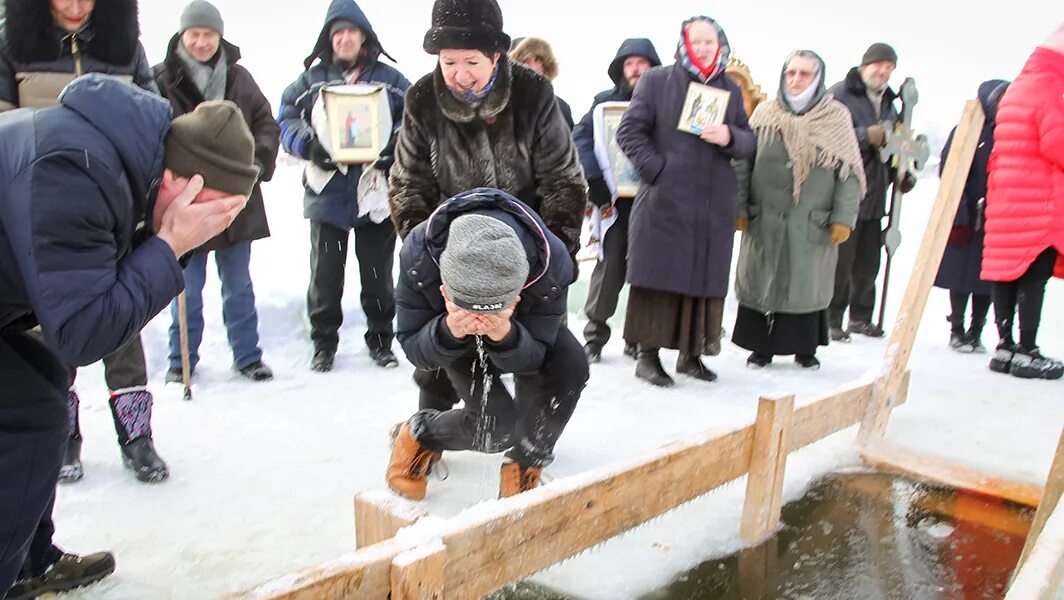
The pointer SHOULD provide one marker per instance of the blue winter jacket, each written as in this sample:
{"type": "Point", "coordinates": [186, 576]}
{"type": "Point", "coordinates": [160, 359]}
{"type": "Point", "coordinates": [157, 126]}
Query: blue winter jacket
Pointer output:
{"type": "Point", "coordinates": [421, 309]}
{"type": "Point", "coordinates": [337, 204]}
{"type": "Point", "coordinates": [76, 183]}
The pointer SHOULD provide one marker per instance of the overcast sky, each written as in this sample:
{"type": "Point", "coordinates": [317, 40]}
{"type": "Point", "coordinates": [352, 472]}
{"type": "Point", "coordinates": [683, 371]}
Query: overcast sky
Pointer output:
{"type": "Point", "coordinates": [948, 47]}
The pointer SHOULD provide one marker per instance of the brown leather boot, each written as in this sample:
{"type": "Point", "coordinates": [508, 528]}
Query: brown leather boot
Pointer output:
{"type": "Point", "coordinates": [409, 468]}
{"type": "Point", "coordinates": [513, 479]}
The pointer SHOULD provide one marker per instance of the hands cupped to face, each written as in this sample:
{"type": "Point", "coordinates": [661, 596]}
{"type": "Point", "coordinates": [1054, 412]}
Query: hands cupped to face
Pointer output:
{"type": "Point", "coordinates": [463, 323]}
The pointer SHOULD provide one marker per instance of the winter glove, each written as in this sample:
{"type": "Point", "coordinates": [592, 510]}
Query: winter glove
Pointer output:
{"type": "Point", "coordinates": [908, 183]}
{"type": "Point", "coordinates": [319, 155]}
{"type": "Point", "coordinates": [598, 192]}
{"type": "Point", "coordinates": [960, 235]}
{"type": "Point", "coordinates": [839, 233]}
{"type": "Point", "coordinates": [742, 224]}
{"type": "Point", "coordinates": [877, 136]}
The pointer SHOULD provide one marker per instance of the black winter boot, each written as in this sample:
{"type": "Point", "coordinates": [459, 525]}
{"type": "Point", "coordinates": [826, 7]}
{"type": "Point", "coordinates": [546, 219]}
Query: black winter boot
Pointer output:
{"type": "Point", "coordinates": [1001, 361]}
{"type": "Point", "coordinates": [383, 358]}
{"type": "Point", "coordinates": [69, 572]}
{"type": "Point", "coordinates": [257, 371]}
{"type": "Point", "coordinates": [71, 470]}
{"type": "Point", "coordinates": [630, 350]}
{"type": "Point", "coordinates": [140, 456]}
{"type": "Point", "coordinates": [593, 353]}
{"type": "Point", "coordinates": [691, 365]}
{"type": "Point", "coordinates": [323, 361]}
{"type": "Point", "coordinates": [1028, 363]}
{"type": "Point", "coordinates": [648, 368]}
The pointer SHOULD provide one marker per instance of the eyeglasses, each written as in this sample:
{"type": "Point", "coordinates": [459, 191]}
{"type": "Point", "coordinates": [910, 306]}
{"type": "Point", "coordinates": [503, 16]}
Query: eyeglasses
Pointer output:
{"type": "Point", "coordinates": [798, 73]}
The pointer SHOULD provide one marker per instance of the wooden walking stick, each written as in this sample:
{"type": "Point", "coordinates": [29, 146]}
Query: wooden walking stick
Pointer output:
{"type": "Point", "coordinates": [182, 323]}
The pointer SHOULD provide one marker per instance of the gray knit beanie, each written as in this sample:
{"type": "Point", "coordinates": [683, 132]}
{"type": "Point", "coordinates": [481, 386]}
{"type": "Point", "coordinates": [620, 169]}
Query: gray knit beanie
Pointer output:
{"type": "Point", "coordinates": [879, 52]}
{"type": "Point", "coordinates": [484, 266]}
{"type": "Point", "coordinates": [200, 13]}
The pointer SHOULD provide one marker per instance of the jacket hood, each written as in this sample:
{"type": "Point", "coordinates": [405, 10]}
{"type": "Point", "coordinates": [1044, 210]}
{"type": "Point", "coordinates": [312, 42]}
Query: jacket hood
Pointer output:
{"type": "Point", "coordinates": [990, 93]}
{"type": "Point", "coordinates": [134, 121]}
{"type": "Point", "coordinates": [346, 10]}
{"type": "Point", "coordinates": [632, 47]}
{"type": "Point", "coordinates": [530, 228]}
{"type": "Point", "coordinates": [110, 36]}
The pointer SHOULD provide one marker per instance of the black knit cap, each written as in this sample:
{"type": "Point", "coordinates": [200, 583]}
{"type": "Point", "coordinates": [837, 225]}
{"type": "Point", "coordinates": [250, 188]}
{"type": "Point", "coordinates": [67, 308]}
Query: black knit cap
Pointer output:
{"type": "Point", "coordinates": [466, 25]}
{"type": "Point", "coordinates": [879, 52]}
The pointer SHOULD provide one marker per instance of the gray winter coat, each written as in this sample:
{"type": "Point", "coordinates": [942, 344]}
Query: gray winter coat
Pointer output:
{"type": "Point", "coordinates": [786, 258]}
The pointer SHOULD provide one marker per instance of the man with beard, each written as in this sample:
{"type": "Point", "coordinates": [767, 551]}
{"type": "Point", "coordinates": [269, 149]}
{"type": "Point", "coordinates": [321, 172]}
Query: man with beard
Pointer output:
{"type": "Point", "coordinates": [635, 57]}
{"type": "Point", "coordinates": [871, 103]}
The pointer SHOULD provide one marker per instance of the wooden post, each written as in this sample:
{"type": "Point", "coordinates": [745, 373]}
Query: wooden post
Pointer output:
{"type": "Point", "coordinates": [1050, 500]}
{"type": "Point", "coordinates": [885, 394]}
{"type": "Point", "coordinates": [379, 515]}
{"type": "Point", "coordinates": [768, 462]}
{"type": "Point", "coordinates": [182, 326]}
{"type": "Point", "coordinates": [418, 574]}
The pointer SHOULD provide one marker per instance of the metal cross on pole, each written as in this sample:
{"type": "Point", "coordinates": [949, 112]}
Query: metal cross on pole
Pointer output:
{"type": "Point", "coordinates": [908, 153]}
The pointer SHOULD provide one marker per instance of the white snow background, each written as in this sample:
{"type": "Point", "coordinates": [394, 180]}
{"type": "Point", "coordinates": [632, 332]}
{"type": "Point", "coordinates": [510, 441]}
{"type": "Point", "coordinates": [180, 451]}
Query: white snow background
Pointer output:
{"type": "Point", "coordinates": [263, 475]}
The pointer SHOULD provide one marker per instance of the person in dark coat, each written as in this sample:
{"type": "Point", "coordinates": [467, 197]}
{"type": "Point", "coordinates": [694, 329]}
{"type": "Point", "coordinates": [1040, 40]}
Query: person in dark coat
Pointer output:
{"type": "Point", "coordinates": [797, 202]}
{"type": "Point", "coordinates": [871, 102]}
{"type": "Point", "coordinates": [201, 65]}
{"type": "Point", "coordinates": [57, 42]}
{"type": "Point", "coordinates": [634, 57]}
{"type": "Point", "coordinates": [347, 51]}
{"type": "Point", "coordinates": [482, 291]}
{"type": "Point", "coordinates": [963, 256]}
{"type": "Point", "coordinates": [683, 221]}
{"type": "Point", "coordinates": [110, 175]}
{"type": "Point", "coordinates": [536, 54]}
{"type": "Point", "coordinates": [481, 120]}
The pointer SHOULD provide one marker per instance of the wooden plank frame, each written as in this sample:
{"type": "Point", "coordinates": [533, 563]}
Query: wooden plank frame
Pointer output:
{"type": "Point", "coordinates": [501, 541]}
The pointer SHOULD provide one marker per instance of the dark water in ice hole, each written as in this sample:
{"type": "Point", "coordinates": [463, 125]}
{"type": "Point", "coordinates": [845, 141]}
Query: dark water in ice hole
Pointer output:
{"type": "Point", "coordinates": [861, 536]}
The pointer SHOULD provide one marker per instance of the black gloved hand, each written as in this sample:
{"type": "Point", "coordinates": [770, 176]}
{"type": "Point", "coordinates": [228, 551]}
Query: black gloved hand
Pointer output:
{"type": "Point", "coordinates": [960, 235]}
{"type": "Point", "coordinates": [598, 193]}
{"type": "Point", "coordinates": [908, 183]}
{"type": "Point", "coordinates": [319, 155]}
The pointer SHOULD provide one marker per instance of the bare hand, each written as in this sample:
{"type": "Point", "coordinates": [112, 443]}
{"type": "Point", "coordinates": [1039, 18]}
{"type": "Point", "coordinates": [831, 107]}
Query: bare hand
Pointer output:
{"type": "Point", "coordinates": [460, 322]}
{"type": "Point", "coordinates": [186, 223]}
{"type": "Point", "coordinates": [717, 134]}
{"type": "Point", "coordinates": [498, 325]}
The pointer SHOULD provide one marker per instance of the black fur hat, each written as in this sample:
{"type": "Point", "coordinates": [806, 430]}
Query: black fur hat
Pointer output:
{"type": "Point", "coordinates": [468, 25]}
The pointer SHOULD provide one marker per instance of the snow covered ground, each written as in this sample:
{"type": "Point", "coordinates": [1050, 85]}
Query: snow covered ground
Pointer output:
{"type": "Point", "coordinates": [264, 474]}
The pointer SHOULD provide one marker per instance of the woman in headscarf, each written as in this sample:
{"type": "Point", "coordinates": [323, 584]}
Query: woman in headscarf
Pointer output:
{"type": "Point", "coordinates": [683, 221]}
{"type": "Point", "coordinates": [798, 201]}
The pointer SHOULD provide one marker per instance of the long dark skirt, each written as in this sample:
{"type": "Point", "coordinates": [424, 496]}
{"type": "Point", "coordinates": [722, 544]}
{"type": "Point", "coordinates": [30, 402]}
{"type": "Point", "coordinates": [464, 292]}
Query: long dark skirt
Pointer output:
{"type": "Point", "coordinates": [657, 319]}
{"type": "Point", "coordinates": [780, 333]}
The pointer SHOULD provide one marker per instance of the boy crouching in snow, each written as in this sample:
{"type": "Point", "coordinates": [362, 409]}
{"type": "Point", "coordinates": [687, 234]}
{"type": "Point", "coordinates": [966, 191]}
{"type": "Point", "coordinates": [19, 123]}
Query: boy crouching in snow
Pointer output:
{"type": "Point", "coordinates": [482, 291]}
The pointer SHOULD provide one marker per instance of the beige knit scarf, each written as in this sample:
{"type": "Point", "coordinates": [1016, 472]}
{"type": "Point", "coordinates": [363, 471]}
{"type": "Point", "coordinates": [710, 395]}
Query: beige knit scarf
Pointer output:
{"type": "Point", "coordinates": [821, 137]}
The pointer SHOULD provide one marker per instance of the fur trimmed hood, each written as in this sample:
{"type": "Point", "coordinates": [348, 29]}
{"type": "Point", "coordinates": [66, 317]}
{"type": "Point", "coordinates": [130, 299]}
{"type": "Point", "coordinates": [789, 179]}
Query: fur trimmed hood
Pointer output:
{"type": "Point", "coordinates": [111, 35]}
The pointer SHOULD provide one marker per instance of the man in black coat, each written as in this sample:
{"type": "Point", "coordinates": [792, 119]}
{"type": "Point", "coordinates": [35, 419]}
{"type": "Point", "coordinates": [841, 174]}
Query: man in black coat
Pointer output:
{"type": "Point", "coordinates": [482, 291]}
{"type": "Point", "coordinates": [871, 102]}
{"type": "Point", "coordinates": [98, 199]}
{"type": "Point", "coordinates": [201, 65]}
{"type": "Point", "coordinates": [635, 57]}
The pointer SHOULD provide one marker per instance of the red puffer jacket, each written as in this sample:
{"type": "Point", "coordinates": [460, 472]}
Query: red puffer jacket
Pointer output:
{"type": "Point", "coordinates": [1025, 191]}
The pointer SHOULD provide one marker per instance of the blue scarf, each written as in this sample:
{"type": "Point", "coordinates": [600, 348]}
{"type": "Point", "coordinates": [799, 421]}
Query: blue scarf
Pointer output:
{"type": "Point", "coordinates": [476, 97]}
